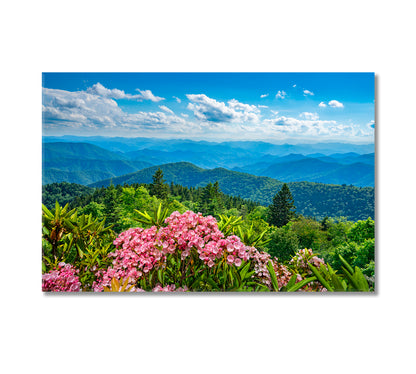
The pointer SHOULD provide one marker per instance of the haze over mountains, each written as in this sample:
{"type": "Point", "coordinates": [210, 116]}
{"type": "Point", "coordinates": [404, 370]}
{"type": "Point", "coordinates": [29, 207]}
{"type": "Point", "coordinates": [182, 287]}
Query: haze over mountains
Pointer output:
{"type": "Point", "coordinates": [86, 160]}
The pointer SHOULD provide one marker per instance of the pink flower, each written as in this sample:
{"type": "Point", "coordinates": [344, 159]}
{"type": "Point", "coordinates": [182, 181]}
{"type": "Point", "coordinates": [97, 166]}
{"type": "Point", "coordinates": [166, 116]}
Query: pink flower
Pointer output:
{"type": "Point", "coordinates": [62, 279]}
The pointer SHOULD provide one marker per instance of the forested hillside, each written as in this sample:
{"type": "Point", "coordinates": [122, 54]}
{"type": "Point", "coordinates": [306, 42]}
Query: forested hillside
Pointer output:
{"type": "Point", "coordinates": [312, 199]}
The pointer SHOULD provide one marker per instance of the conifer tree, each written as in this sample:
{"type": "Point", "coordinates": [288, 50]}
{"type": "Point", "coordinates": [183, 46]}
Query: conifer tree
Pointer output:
{"type": "Point", "coordinates": [158, 187]}
{"type": "Point", "coordinates": [282, 209]}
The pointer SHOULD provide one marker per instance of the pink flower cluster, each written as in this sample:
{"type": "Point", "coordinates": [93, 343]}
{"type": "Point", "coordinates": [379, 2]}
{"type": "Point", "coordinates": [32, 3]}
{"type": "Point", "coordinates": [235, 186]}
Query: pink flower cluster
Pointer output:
{"type": "Point", "coordinates": [62, 279]}
{"type": "Point", "coordinates": [141, 250]}
{"type": "Point", "coordinates": [261, 259]}
{"type": "Point", "coordinates": [189, 236]}
{"type": "Point", "coordinates": [303, 256]}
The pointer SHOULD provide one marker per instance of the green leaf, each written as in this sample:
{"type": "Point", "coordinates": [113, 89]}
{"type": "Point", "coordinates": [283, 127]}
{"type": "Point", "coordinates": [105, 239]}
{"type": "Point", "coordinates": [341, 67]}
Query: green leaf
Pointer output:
{"type": "Point", "coordinates": [160, 277]}
{"type": "Point", "coordinates": [292, 281]}
{"type": "Point", "coordinates": [320, 278]}
{"type": "Point", "coordinates": [300, 284]}
{"type": "Point", "coordinates": [346, 265]}
{"type": "Point", "coordinates": [273, 277]}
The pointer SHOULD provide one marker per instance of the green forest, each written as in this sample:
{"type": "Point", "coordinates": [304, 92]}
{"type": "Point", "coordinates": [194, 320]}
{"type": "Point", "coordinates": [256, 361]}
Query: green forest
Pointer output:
{"type": "Point", "coordinates": [312, 199]}
{"type": "Point", "coordinates": [82, 226]}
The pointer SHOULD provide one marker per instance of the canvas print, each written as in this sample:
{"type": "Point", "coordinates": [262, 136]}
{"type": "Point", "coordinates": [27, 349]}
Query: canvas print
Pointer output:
{"type": "Point", "coordinates": [208, 182]}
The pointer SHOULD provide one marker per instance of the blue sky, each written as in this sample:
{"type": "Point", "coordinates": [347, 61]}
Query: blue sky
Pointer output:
{"type": "Point", "coordinates": [277, 107]}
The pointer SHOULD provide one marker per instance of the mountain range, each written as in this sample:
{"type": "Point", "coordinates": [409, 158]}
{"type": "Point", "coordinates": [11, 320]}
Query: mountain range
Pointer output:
{"type": "Point", "coordinates": [89, 159]}
{"type": "Point", "coordinates": [252, 170]}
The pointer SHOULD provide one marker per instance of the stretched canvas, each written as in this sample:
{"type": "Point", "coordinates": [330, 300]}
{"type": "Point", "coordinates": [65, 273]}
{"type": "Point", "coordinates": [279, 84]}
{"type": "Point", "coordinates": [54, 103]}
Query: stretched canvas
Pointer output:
{"type": "Point", "coordinates": [208, 182]}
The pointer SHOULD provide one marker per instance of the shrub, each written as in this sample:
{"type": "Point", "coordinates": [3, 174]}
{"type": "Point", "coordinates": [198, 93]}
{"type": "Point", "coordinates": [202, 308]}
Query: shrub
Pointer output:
{"type": "Point", "coordinates": [61, 279]}
{"type": "Point", "coordinates": [189, 253]}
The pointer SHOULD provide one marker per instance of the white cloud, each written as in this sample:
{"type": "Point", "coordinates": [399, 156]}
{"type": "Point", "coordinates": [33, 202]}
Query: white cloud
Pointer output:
{"type": "Point", "coordinates": [90, 112]}
{"type": "Point", "coordinates": [263, 96]}
{"type": "Point", "coordinates": [322, 104]}
{"type": "Point", "coordinates": [310, 116]}
{"type": "Point", "coordinates": [99, 90]}
{"type": "Point", "coordinates": [281, 94]}
{"type": "Point", "coordinates": [307, 92]}
{"type": "Point", "coordinates": [235, 104]}
{"type": "Point", "coordinates": [335, 104]}
{"type": "Point", "coordinates": [289, 126]}
{"type": "Point", "coordinates": [294, 86]}
{"type": "Point", "coordinates": [275, 112]}
{"type": "Point", "coordinates": [148, 95]}
{"type": "Point", "coordinates": [166, 109]}
{"type": "Point", "coordinates": [262, 106]}
{"type": "Point", "coordinates": [177, 99]}
{"type": "Point", "coordinates": [184, 115]}
{"type": "Point", "coordinates": [211, 110]}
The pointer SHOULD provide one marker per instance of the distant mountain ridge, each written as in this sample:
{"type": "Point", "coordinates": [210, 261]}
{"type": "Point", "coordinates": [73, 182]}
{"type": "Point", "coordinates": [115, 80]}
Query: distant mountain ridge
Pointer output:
{"type": "Point", "coordinates": [119, 144]}
{"type": "Point", "coordinates": [83, 163]}
{"type": "Point", "coordinates": [253, 157]}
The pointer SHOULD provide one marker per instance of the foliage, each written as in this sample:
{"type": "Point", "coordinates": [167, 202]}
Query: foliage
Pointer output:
{"type": "Point", "coordinates": [282, 209]}
{"type": "Point", "coordinates": [63, 192]}
{"type": "Point", "coordinates": [283, 243]}
{"type": "Point", "coordinates": [309, 233]}
{"type": "Point", "coordinates": [351, 279]}
{"type": "Point", "coordinates": [79, 240]}
{"type": "Point", "coordinates": [156, 219]}
{"type": "Point", "coordinates": [362, 230]}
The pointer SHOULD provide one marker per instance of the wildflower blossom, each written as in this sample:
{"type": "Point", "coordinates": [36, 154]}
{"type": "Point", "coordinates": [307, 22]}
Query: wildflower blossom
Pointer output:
{"type": "Point", "coordinates": [62, 279]}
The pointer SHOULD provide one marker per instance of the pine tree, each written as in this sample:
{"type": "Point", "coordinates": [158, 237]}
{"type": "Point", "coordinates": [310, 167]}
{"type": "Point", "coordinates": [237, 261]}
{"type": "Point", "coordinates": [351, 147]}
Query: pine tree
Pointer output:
{"type": "Point", "coordinates": [158, 187]}
{"type": "Point", "coordinates": [282, 208]}
{"type": "Point", "coordinates": [112, 208]}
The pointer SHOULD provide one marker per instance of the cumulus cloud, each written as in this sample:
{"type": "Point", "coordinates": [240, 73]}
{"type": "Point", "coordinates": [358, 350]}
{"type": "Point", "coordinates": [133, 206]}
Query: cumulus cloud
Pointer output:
{"type": "Point", "coordinates": [335, 104]}
{"type": "Point", "coordinates": [177, 99]}
{"type": "Point", "coordinates": [148, 95]}
{"type": "Point", "coordinates": [166, 109]}
{"type": "Point", "coordinates": [99, 90]}
{"type": "Point", "coordinates": [308, 115]}
{"type": "Point", "coordinates": [88, 111]}
{"type": "Point", "coordinates": [290, 126]}
{"type": "Point", "coordinates": [322, 104]}
{"type": "Point", "coordinates": [281, 94]}
{"type": "Point", "coordinates": [211, 110]}
{"type": "Point", "coordinates": [307, 92]}
{"type": "Point", "coordinates": [263, 96]}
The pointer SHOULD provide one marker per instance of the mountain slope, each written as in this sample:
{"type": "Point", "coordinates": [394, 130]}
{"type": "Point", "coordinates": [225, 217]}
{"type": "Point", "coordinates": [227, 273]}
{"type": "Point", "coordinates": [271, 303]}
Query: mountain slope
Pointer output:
{"type": "Point", "coordinates": [84, 163]}
{"type": "Point", "coordinates": [315, 199]}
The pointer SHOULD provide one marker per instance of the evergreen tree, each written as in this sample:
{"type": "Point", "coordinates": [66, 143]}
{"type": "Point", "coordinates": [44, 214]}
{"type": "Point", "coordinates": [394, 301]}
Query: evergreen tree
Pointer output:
{"type": "Point", "coordinates": [282, 209]}
{"type": "Point", "coordinates": [112, 209]}
{"type": "Point", "coordinates": [158, 187]}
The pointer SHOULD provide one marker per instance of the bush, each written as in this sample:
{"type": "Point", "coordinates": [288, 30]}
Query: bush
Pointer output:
{"type": "Point", "coordinates": [189, 253]}
{"type": "Point", "coordinates": [61, 279]}
{"type": "Point", "coordinates": [284, 244]}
